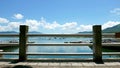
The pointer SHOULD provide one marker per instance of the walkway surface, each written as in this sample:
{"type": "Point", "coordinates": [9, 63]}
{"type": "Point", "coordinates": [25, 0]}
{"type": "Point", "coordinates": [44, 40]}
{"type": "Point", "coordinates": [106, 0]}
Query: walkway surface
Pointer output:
{"type": "Point", "coordinates": [59, 65]}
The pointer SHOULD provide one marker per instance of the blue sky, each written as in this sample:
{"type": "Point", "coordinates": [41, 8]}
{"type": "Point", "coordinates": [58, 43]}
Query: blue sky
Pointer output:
{"type": "Point", "coordinates": [58, 16]}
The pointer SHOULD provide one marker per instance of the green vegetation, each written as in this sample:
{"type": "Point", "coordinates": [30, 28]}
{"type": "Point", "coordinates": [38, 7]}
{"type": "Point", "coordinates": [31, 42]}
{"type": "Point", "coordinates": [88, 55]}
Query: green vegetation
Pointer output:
{"type": "Point", "coordinates": [113, 29]}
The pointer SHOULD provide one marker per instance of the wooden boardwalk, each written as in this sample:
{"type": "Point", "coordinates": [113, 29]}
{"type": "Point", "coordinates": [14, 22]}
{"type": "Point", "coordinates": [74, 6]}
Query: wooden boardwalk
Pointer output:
{"type": "Point", "coordinates": [59, 65]}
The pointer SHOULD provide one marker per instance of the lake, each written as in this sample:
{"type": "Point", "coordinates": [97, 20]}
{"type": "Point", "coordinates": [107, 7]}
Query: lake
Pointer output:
{"type": "Point", "coordinates": [52, 49]}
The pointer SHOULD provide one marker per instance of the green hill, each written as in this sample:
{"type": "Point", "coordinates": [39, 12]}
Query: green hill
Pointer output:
{"type": "Point", "coordinates": [113, 29]}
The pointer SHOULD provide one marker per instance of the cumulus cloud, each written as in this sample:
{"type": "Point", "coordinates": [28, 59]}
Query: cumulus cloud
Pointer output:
{"type": "Point", "coordinates": [37, 25]}
{"type": "Point", "coordinates": [3, 20]}
{"type": "Point", "coordinates": [115, 11]}
{"type": "Point", "coordinates": [2, 28]}
{"type": "Point", "coordinates": [84, 28]}
{"type": "Point", "coordinates": [70, 25]}
{"type": "Point", "coordinates": [14, 25]}
{"type": "Point", "coordinates": [33, 24]}
{"type": "Point", "coordinates": [18, 16]}
{"type": "Point", "coordinates": [54, 25]}
{"type": "Point", "coordinates": [51, 25]}
{"type": "Point", "coordinates": [110, 24]}
{"type": "Point", "coordinates": [48, 25]}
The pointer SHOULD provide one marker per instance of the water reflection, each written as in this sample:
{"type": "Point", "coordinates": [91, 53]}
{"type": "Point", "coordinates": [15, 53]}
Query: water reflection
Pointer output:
{"type": "Point", "coordinates": [59, 49]}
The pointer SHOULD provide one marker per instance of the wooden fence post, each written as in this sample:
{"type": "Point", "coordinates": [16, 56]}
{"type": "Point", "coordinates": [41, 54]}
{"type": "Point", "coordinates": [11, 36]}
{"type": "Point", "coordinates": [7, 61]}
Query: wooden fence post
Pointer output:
{"type": "Point", "coordinates": [22, 43]}
{"type": "Point", "coordinates": [97, 44]}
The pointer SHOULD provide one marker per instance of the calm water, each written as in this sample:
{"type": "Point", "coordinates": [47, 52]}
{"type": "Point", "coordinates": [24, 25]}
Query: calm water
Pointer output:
{"type": "Point", "coordinates": [52, 49]}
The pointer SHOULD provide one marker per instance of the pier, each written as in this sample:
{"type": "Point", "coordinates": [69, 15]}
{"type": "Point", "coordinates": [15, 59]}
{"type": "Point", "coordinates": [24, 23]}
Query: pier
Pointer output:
{"type": "Point", "coordinates": [59, 65]}
{"type": "Point", "coordinates": [96, 61]}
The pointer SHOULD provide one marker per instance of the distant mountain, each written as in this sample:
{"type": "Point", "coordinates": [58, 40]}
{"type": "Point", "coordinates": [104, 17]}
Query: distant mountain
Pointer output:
{"type": "Point", "coordinates": [8, 32]}
{"type": "Point", "coordinates": [113, 29]}
{"type": "Point", "coordinates": [34, 32]}
{"type": "Point", "coordinates": [85, 32]}
{"type": "Point", "coordinates": [4, 32]}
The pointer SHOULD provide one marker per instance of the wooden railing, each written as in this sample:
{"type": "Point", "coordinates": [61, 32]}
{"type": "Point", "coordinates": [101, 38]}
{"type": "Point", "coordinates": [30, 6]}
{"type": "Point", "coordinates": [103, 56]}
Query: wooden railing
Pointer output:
{"type": "Point", "coordinates": [97, 44]}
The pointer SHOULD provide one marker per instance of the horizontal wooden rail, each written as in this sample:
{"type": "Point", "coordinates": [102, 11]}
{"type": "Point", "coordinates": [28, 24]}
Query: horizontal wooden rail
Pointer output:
{"type": "Point", "coordinates": [9, 53]}
{"type": "Point", "coordinates": [72, 54]}
{"type": "Point", "coordinates": [59, 54]}
{"type": "Point", "coordinates": [71, 44]}
{"type": "Point", "coordinates": [111, 35]}
{"type": "Point", "coordinates": [111, 53]}
{"type": "Point", "coordinates": [59, 44]}
{"type": "Point", "coordinates": [9, 35]}
{"type": "Point", "coordinates": [46, 54]}
{"type": "Point", "coordinates": [9, 44]}
{"type": "Point", "coordinates": [110, 44]}
{"type": "Point", "coordinates": [61, 35]}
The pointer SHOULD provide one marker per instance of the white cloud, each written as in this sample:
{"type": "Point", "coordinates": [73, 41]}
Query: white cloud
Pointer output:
{"type": "Point", "coordinates": [2, 28]}
{"type": "Point", "coordinates": [6, 28]}
{"type": "Point", "coordinates": [33, 24]}
{"type": "Point", "coordinates": [42, 21]}
{"type": "Point", "coordinates": [109, 24]}
{"type": "Point", "coordinates": [48, 25]}
{"type": "Point", "coordinates": [54, 27]}
{"type": "Point", "coordinates": [68, 26]}
{"type": "Point", "coordinates": [14, 25]}
{"type": "Point", "coordinates": [51, 25]}
{"type": "Point", "coordinates": [18, 16]}
{"type": "Point", "coordinates": [3, 20]}
{"type": "Point", "coordinates": [115, 11]}
{"type": "Point", "coordinates": [82, 28]}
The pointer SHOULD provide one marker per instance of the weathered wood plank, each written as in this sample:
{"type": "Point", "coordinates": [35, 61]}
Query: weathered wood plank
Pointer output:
{"type": "Point", "coordinates": [66, 64]}
{"type": "Point", "coordinates": [75, 64]}
{"type": "Point", "coordinates": [43, 64]}
{"type": "Point", "coordinates": [59, 65]}
{"type": "Point", "coordinates": [59, 44]}
{"type": "Point", "coordinates": [111, 35]}
{"type": "Point", "coordinates": [54, 64]}
{"type": "Point", "coordinates": [9, 53]}
{"type": "Point", "coordinates": [59, 54]}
